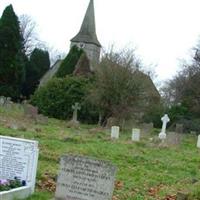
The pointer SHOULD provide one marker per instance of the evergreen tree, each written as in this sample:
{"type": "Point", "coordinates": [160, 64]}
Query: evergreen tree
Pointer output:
{"type": "Point", "coordinates": [68, 65]}
{"type": "Point", "coordinates": [12, 55]}
{"type": "Point", "coordinates": [37, 66]}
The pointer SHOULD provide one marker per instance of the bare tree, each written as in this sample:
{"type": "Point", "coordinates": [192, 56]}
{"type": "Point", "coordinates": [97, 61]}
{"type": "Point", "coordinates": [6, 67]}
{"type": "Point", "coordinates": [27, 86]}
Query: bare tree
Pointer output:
{"type": "Point", "coordinates": [28, 30]}
{"type": "Point", "coordinates": [184, 87]}
{"type": "Point", "coordinates": [120, 89]}
{"type": "Point", "coordinates": [55, 54]}
{"type": "Point", "coordinates": [125, 57]}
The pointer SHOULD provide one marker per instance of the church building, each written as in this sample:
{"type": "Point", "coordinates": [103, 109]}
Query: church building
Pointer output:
{"type": "Point", "coordinates": [86, 39]}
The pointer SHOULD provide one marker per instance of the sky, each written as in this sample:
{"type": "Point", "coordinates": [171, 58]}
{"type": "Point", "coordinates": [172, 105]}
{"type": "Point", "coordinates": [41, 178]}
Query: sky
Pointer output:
{"type": "Point", "coordinates": [162, 31]}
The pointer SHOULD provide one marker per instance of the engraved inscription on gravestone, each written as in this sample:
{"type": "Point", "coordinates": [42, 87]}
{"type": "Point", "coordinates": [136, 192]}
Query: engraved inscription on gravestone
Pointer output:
{"type": "Point", "coordinates": [18, 158]}
{"type": "Point", "coordinates": [83, 178]}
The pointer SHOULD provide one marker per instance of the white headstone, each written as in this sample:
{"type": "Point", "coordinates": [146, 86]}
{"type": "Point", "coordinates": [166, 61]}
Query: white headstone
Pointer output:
{"type": "Point", "coordinates": [165, 119]}
{"type": "Point", "coordinates": [83, 178]}
{"type": "Point", "coordinates": [136, 135]}
{"type": "Point", "coordinates": [18, 158]}
{"type": "Point", "coordinates": [115, 132]}
{"type": "Point", "coordinates": [198, 142]}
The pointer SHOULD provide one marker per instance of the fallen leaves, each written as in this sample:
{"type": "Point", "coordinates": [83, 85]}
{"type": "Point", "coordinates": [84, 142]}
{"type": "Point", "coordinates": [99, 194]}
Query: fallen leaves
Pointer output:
{"type": "Point", "coordinates": [115, 197]}
{"type": "Point", "coordinates": [119, 185]}
{"type": "Point", "coordinates": [170, 197]}
{"type": "Point", "coordinates": [153, 191]}
{"type": "Point", "coordinates": [47, 182]}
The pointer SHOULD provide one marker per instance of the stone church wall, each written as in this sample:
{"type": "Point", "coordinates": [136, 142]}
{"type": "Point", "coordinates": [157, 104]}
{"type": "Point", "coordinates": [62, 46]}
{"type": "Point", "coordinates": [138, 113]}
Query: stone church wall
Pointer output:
{"type": "Point", "coordinates": [92, 50]}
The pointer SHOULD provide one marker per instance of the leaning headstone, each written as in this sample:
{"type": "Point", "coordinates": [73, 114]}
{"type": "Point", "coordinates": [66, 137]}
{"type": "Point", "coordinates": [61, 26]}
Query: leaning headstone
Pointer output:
{"type": "Point", "coordinates": [83, 178]}
{"type": "Point", "coordinates": [115, 132]}
{"type": "Point", "coordinates": [136, 135]}
{"type": "Point", "coordinates": [198, 142]}
{"type": "Point", "coordinates": [18, 158]}
{"type": "Point", "coordinates": [165, 119]}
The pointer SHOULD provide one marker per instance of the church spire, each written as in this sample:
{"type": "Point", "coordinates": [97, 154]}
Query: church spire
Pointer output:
{"type": "Point", "coordinates": [87, 33]}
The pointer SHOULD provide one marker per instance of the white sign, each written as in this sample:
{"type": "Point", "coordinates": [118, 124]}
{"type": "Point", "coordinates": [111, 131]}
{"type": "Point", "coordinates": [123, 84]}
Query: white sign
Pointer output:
{"type": "Point", "coordinates": [165, 119]}
{"type": "Point", "coordinates": [115, 132]}
{"type": "Point", "coordinates": [136, 135]}
{"type": "Point", "coordinates": [18, 158]}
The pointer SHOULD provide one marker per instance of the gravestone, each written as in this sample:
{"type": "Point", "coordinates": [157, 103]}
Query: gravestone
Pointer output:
{"type": "Point", "coordinates": [8, 103]}
{"type": "Point", "coordinates": [75, 107]}
{"type": "Point", "coordinates": [173, 139]}
{"type": "Point", "coordinates": [136, 135]}
{"type": "Point", "coordinates": [2, 100]}
{"type": "Point", "coordinates": [115, 132]}
{"type": "Point", "coordinates": [179, 128]}
{"type": "Point", "coordinates": [18, 158]}
{"type": "Point", "coordinates": [198, 142]}
{"type": "Point", "coordinates": [146, 128]}
{"type": "Point", "coordinates": [30, 111]}
{"type": "Point", "coordinates": [165, 119]}
{"type": "Point", "coordinates": [83, 178]}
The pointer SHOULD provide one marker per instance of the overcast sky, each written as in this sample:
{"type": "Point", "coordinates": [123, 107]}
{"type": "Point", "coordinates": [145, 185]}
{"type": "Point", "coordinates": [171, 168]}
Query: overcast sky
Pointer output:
{"type": "Point", "coordinates": [164, 31]}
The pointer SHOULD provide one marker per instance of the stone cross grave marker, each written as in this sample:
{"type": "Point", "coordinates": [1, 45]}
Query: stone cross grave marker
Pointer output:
{"type": "Point", "coordinates": [165, 119]}
{"type": "Point", "coordinates": [115, 132]}
{"type": "Point", "coordinates": [136, 135]}
{"type": "Point", "coordinates": [85, 178]}
{"type": "Point", "coordinates": [198, 142]}
{"type": "Point", "coordinates": [18, 158]}
{"type": "Point", "coordinates": [75, 107]}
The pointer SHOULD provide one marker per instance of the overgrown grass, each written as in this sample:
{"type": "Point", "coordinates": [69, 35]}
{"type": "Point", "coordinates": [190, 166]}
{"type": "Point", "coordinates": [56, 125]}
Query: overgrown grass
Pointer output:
{"type": "Point", "coordinates": [141, 167]}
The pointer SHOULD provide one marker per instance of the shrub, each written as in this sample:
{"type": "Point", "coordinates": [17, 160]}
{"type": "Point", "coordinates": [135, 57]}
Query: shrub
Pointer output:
{"type": "Point", "coordinates": [56, 98]}
{"type": "Point", "coordinates": [178, 112]}
{"type": "Point", "coordinates": [190, 125]}
{"type": "Point", "coordinates": [154, 114]}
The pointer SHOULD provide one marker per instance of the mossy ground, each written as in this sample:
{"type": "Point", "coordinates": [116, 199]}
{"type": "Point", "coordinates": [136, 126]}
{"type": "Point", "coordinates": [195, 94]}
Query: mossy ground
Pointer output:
{"type": "Point", "coordinates": [145, 171]}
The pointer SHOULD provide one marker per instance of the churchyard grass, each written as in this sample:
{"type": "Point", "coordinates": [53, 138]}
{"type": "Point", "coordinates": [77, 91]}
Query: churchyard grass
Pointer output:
{"type": "Point", "coordinates": [145, 171]}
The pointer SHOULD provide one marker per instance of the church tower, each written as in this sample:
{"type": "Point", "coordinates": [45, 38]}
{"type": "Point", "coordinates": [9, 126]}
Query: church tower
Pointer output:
{"type": "Point", "coordinates": [87, 37]}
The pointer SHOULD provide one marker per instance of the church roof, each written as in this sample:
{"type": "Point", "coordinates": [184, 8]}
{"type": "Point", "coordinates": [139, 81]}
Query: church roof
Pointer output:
{"type": "Point", "coordinates": [87, 31]}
